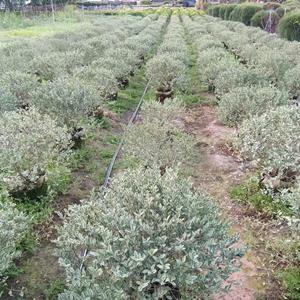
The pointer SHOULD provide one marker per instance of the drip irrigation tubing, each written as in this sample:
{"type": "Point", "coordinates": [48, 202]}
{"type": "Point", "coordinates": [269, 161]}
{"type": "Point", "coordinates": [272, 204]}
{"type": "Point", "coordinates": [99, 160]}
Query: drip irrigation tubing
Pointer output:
{"type": "Point", "coordinates": [116, 154]}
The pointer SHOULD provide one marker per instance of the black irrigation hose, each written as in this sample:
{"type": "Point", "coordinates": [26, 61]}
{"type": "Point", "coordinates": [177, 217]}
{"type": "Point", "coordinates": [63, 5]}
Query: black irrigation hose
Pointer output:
{"type": "Point", "coordinates": [116, 154]}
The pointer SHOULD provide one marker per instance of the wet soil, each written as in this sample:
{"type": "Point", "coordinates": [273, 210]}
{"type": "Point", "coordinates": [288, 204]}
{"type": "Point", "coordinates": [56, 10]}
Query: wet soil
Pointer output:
{"type": "Point", "coordinates": [217, 170]}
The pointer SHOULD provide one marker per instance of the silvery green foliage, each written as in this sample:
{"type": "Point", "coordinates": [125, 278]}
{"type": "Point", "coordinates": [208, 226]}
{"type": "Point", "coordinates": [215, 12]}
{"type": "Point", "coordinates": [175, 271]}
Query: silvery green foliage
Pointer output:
{"type": "Point", "coordinates": [292, 198]}
{"type": "Point", "coordinates": [8, 101]}
{"type": "Point", "coordinates": [125, 55]}
{"type": "Point", "coordinates": [118, 67]}
{"type": "Point", "coordinates": [248, 53]}
{"type": "Point", "coordinates": [210, 72]}
{"type": "Point", "coordinates": [29, 142]}
{"type": "Point", "coordinates": [273, 64]}
{"type": "Point", "coordinates": [170, 110]}
{"type": "Point", "coordinates": [15, 55]}
{"type": "Point", "coordinates": [102, 79]}
{"type": "Point", "coordinates": [15, 89]}
{"type": "Point", "coordinates": [148, 237]}
{"type": "Point", "coordinates": [166, 72]}
{"type": "Point", "coordinates": [207, 42]}
{"type": "Point", "coordinates": [246, 101]}
{"type": "Point", "coordinates": [13, 225]}
{"type": "Point", "coordinates": [207, 57]}
{"type": "Point", "coordinates": [67, 99]}
{"type": "Point", "coordinates": [156, 140]}
{"type": "Point", "coordinates": [238, 76]}
{"type": "Point", "coordinates": [272, 139]}
{"type": "Point", "coordinates": [291, 81]}
{"type": "Point", "coordinates": [52, 65]}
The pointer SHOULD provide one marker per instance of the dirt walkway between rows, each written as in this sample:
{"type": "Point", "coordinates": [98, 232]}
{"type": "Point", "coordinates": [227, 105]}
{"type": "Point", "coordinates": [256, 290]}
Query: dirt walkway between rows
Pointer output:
{"type": "Point", "coordinates": [216, 172]}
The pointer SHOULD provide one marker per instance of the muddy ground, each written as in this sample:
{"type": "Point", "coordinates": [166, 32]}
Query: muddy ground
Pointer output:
{"type": "Point", "coordinates": [217, 170]}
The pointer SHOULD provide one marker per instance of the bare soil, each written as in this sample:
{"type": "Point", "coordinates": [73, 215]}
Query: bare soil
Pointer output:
{"type": "Point", "coordinates": [217, 170]}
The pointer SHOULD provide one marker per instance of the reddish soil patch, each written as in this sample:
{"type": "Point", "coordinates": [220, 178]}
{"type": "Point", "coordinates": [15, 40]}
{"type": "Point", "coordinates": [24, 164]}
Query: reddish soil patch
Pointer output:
{"type": "Point", "coordinates": [216, 172]}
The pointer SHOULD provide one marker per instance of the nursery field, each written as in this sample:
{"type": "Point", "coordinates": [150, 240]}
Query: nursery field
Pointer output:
{"type": "Point", "coordinates": [149, 156]}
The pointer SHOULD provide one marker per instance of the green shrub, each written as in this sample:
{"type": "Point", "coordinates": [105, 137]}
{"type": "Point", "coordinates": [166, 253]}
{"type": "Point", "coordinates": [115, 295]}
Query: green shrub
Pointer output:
{"type": "Point", "coordinates": [236, 14]}
{"type": "Point", "coordinates": [289, 26]}
{"type": "Point", "coordinates": [15, 88]}
{"type": "Point", "coordinates": [210, 10]}
{"type": "Point", "coordinates": [67, 99]}
{"type": "Point", "coordinates": [291, 197]}
{"type": "Point", "coordinates": [166, 73]}
{"type": "Point", "coordinates": [290, 278]}
{"type": "Point", "coordinates": [29, 143]}
{"type": "Point", "coordinates": [207, 42]}
{"type": "Point", "coordinates": [13, 226]}
{"type": "Point", "coordinates": [258, 20]}
{"type": "Point", "coordinates": [49, 66]}
{"type": "Point", "coordinates": [162, 142]}
{"type": "Point", "coordinates": [272, 140]}
{"type": "Point", "coordinates": [228, 10]}
{"type": "Point", "coordinates": [214, 10]}
{"type": "Point", "coordinates": [210, 72]}
{"type": "Point", "coordinates": [250, 193]}
{"type": "Point", "coordinates": [237, 76]}
{"type": "Point", "coordinates": [264, 20]}
{"type": "Point", "coordinates": [118, 67]}
{"type": "Point", "coordinates": [246, 101]}
{"type": "Point", "coordinates": [213, 54]}
{"type": "Point", "coordinates": [222, 11]}
{"type": "Point", "coordinates": [147, 238]}
{"type": "Point", "coordinates": [244, 12]}
{"type": "Point", "coordinates": [291, 81]}
{"type": "Point", "coordinates": [273, 63]}
{"type": "Point", "coordinates": [281, 11]}
{"type": "Point", "coordinates": [271, 5]}
{"type": "Point", "coordinates": [102, 79]}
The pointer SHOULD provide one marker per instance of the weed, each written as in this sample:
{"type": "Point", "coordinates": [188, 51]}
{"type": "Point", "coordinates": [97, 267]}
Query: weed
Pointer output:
{"type": "Point", "coordinates": [249, 192]}
{"type": "Point", "coordinates": [106, 154]}
{"type": "Point", "coordinates": [56, 287]}
{"type": "Point", "coordinates": [290, 278]}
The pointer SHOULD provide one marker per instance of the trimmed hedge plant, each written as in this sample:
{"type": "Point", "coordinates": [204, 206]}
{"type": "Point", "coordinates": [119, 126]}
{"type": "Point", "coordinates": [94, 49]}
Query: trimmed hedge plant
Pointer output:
{"type": "Point", "coordinates": [29, 143]}
{"type": "Point", "coordinates": [148, 237]}
{"type": "Point", "coordinates": [246, 101]}
{"type": "Point", "coordinates": [244, 12]}
{"type": "Point", "coordinates": [13, 226]}
{"type": "Point", "coordinates": [272, 140]}
{"type": "Point", "coordinates": [289, 26]}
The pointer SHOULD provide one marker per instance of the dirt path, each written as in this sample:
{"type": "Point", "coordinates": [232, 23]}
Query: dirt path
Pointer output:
{"type": "Point", "coordinates": [216, 172]}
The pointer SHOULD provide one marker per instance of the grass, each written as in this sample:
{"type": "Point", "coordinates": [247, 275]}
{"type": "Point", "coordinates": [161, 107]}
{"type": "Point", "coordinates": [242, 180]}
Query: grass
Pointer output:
{"type": "Point", "coordinates": [249, 192]}
{"type": "Point", "coordinates": [128, 98]}
{"type": "Point", "coordinates": [37, 273]}
{"type": "Point", "coordinates": [194, 93]}
{"type": "Point", "coordinates": [14, 26]}
{"type": "Point", "coordinates": [279, 251]}
{"type": "Point", "coordinates": [290, 278]}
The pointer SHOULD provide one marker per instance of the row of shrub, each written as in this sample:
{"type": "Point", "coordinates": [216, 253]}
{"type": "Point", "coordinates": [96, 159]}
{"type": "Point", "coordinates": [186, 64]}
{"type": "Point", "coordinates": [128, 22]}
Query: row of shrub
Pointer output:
{"type": "Point", "coordinates": [235, 12]}
{"type": "Point", "coordinates": [256, 87]}
{"type": "Point", "coordinates": [45, 102]}
{"type": "Point", "coordinates": [271, 16]}
{"type": "Point", "coordinates": [167, 69]}
{"type": "Point", "coordinates": [150, 233]}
